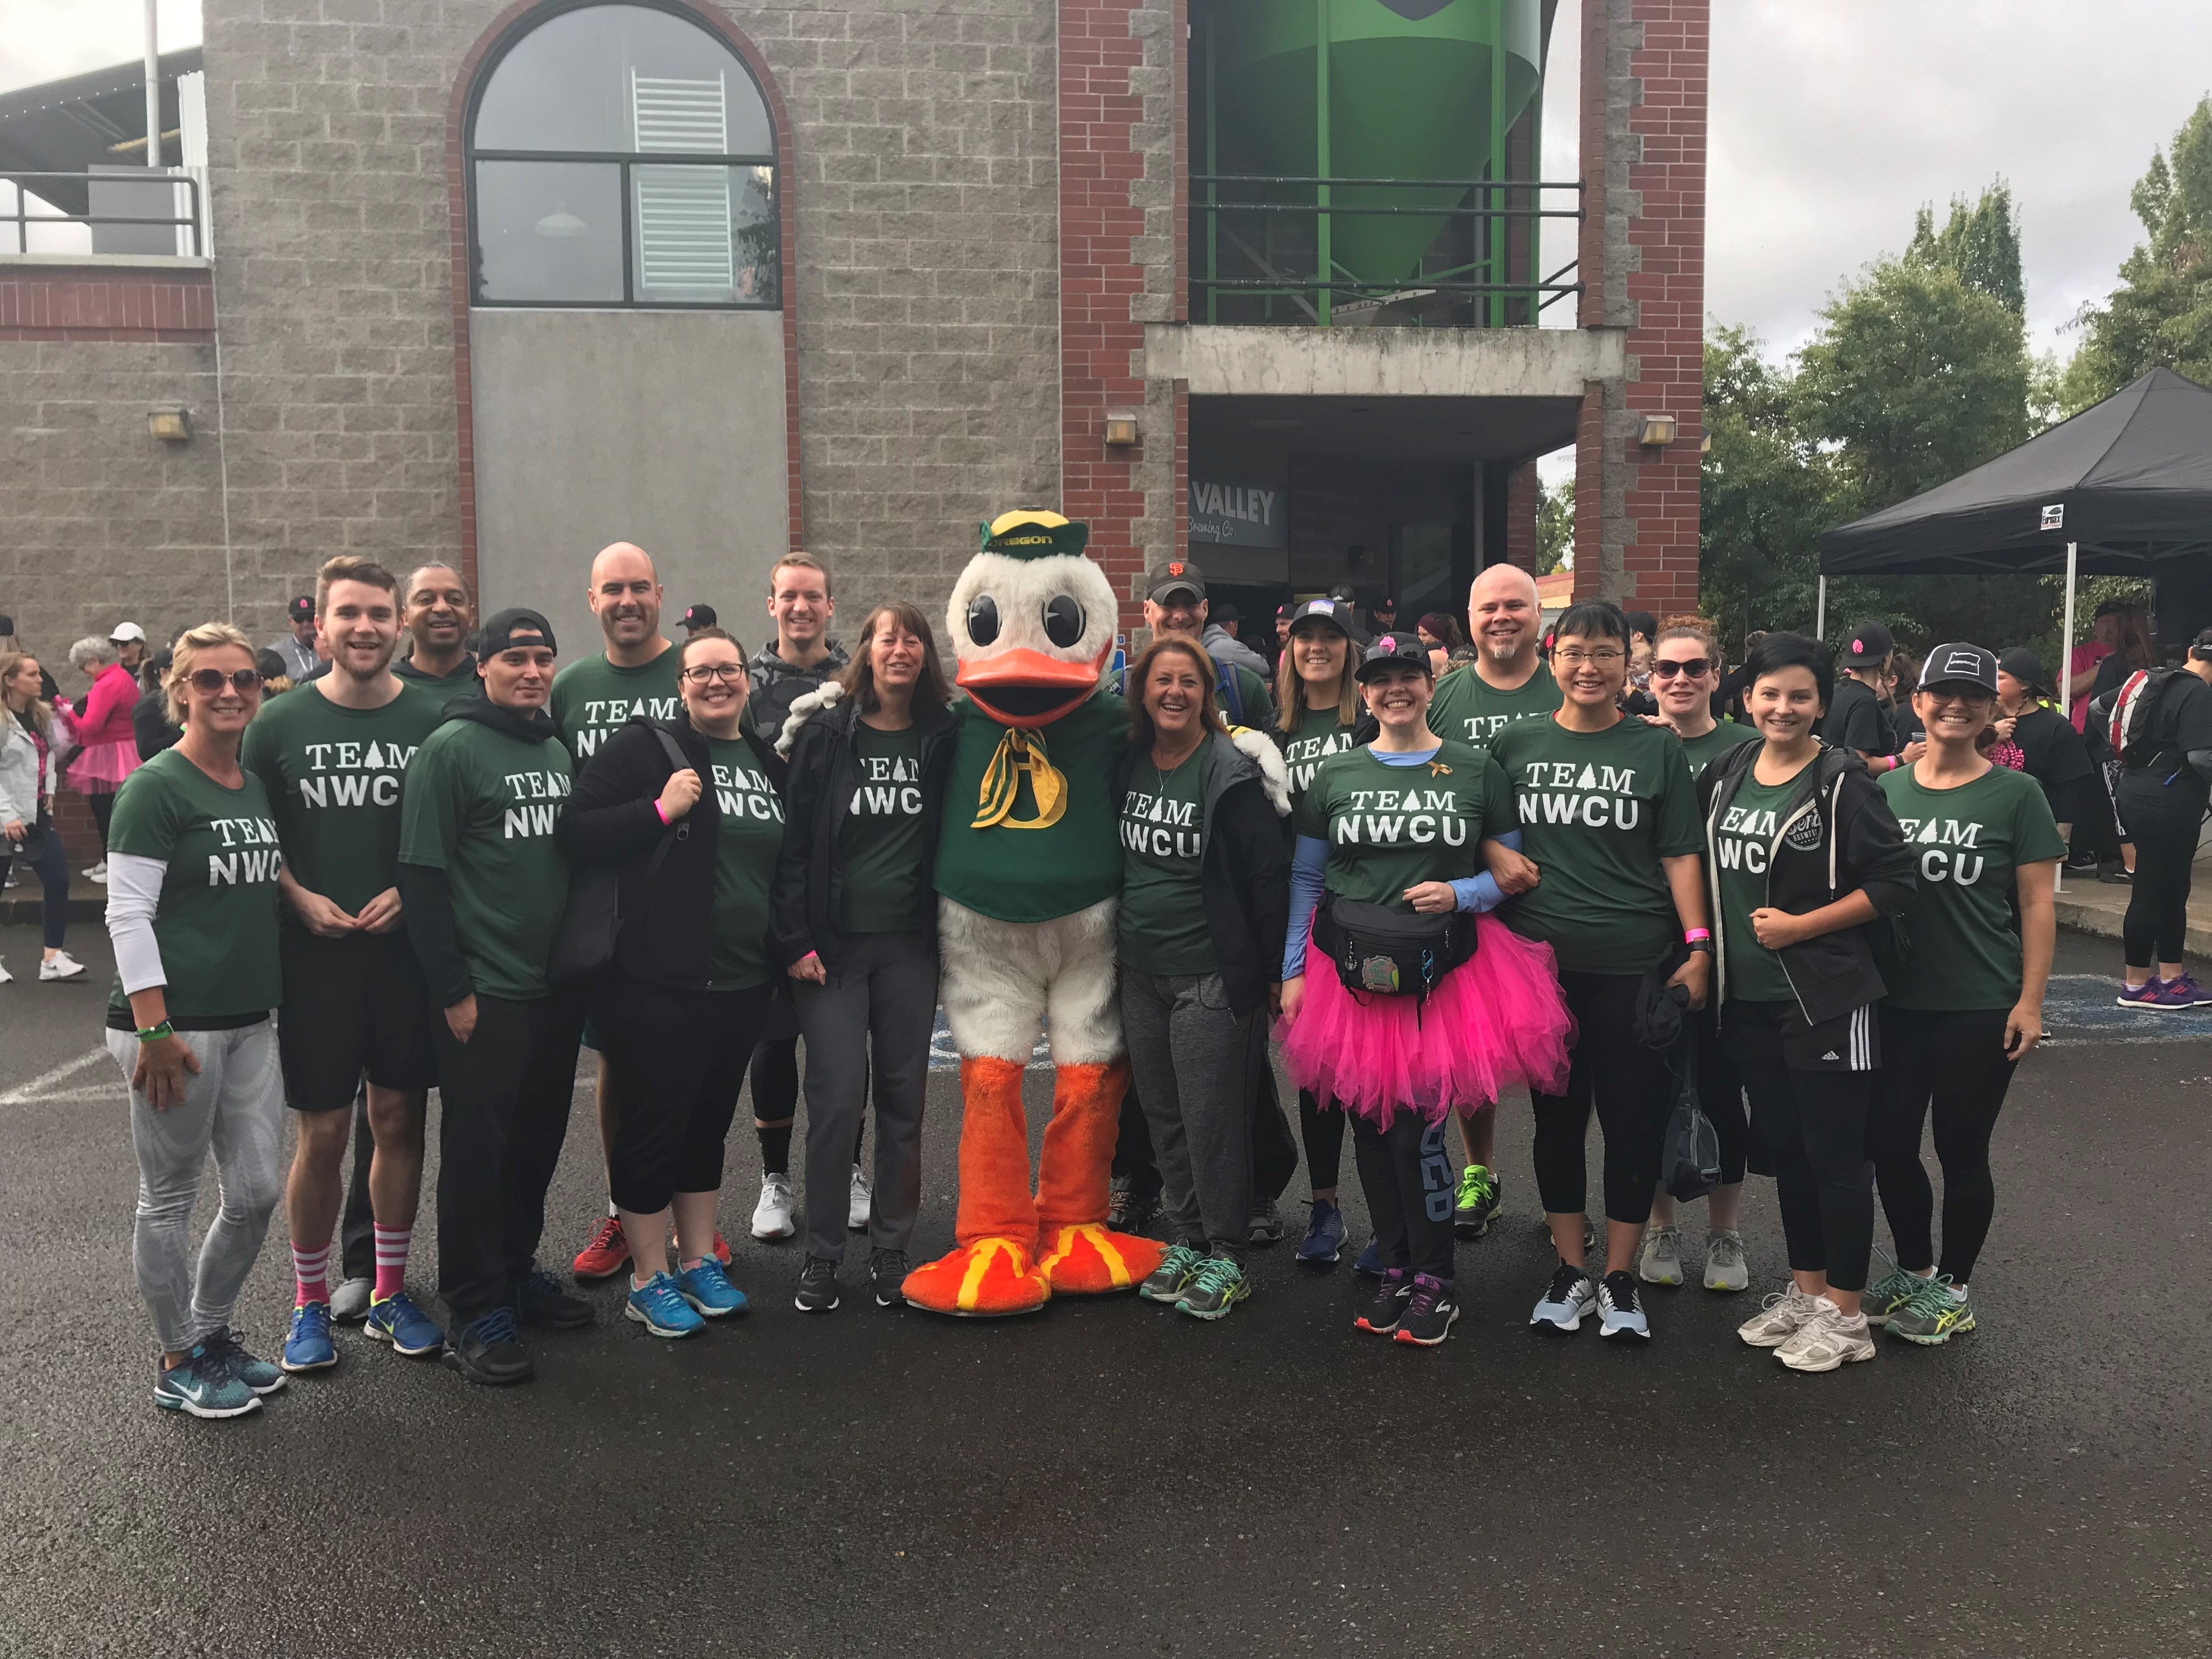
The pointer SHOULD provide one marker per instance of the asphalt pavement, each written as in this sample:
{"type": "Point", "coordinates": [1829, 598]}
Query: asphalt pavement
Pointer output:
{"type": "Point", "coordinates": [1111, 1477]}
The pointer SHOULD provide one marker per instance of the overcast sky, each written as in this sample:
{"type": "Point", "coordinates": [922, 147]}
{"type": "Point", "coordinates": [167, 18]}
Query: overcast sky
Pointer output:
{"type": "Point", "coordinates": [1832, 120]}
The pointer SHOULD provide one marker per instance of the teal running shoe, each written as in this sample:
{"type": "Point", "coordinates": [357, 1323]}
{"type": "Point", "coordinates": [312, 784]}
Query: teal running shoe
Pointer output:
{"type": "Point", "coordinates": [203, 1384]}
{"type": "Point", "coordinates": [1933, 1314]}
{"type": "Point", "coordinates": [1890, 1292]}
{"type": "Point", "coordinates": [708, 1290]}
{"type": "Point", "coordinates": [659, 1306]}
{"type": "Point", "coordinates": [1218, 1285]}
{"type": "Point", "coordinates": [1177, 1268]}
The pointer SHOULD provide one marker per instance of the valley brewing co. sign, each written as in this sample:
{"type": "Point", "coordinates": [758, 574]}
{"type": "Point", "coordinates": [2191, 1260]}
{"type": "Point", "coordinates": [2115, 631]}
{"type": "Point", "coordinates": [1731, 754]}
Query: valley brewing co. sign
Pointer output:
{"type": "Point", "coordinates": [1239, 515]}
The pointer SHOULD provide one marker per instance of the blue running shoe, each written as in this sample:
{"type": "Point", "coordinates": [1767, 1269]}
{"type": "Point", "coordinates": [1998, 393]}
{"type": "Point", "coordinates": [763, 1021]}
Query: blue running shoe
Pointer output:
{"type": "Point", "coordinates": [398, 1321]}
{"type": "Point", "coordinates": [308, 1346]}
{"type": "Point", "coordinates": [1324, 1240]}
{"type": "Point", "coordinates": [257, 1374]}
{"type": "Point", "coordinates": [659, 1306]}
{"type": "Point", "coordinates": [1370, 1260]}
{"type": "Point", "coordinates": [203, 1385]}
{"type": "Point", "coordinates": [1569, 1299]}
{"type": "Point", "coordinates": [1620, 1312]}
{"type": "Point", "coordinates": [708, 1290]}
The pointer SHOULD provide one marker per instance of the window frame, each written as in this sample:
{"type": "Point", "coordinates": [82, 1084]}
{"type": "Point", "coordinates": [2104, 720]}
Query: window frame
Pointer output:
{"type": "Point", "coordinates": [626, 161]}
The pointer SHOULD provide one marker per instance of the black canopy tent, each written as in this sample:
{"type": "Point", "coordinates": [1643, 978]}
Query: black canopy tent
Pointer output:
{"type": "Point", "coordinates": [2124, 488]}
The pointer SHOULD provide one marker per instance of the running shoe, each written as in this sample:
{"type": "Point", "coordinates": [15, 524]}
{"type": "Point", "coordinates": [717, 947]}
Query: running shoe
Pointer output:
{"type": "Point", "coordinates": [307, 1346]}
{"type": "Point", "coordinates": [398, 1321]}
{"type": "Point", "coordinates": [2160, 996]}
{"type": "Point", "coordinates": [98, 872]}
{"type": "Point", "coordinates": [349, 1301]}
{"type": "Point", "coordinates": [1938, 1312]}
{"type": "Point", "coordinates": [489, 1351]}
{"type": "Point", "coordinates": [887, 1272]}
{"type": "Point", "coordinates": [1370, 1259]}
{"type": "Point", "coordinates": [1177, 1268]}
{"type": "Point", "coordinates": [1217, 1285]}
{"type": "Point", "coordinates": [662, 1309]}
{"type": "Point", "coordinates": [721, 1247]}
{"type": "Point", "coordinates": [1781, 1317]}
{"type": "Point", "coordinates": [1387, 1307]}
{"type": "Point", "coordinates": [2186, 985]}
{"type": "Point", "coordinates": [858, 1203]}
{"type": "Point", "coordinates": [542, 1299]}
{"type": "Point", "coordinates": [1829, 1339]}
{"type": "Point", "coordinates": [60, 965]}
{"type": "Point", "coordinates": [1125, 1211]}
{"type": "Point", "coordinates": [1476, 1207]}
{"type": "Point", "coordinates": [1569, 1299]}
{"type": "Point", "coordinates": [1429, 1314]}
{"type": "Point", "coordinates": [708, 1290]}
{"type": "Point", "coordinates": [202, 1385]}
{"type": "Point", "coordinates": [1659, 1258]}
{"type": "Point", "coordinates": [772, 1215]}
{"type": "Point", "coordinates": [1620, 1310]}
{"type": "Point", "coordinates": [817, 1285]}
{"type": "Point", "coordinates": [1725, 1266]}
{"type": "Point", "coordinates": [607, 1254]}
{"type": "Point", "coordinates": [1890, 1292]}
{"type": "Point", "coordinates": [258, 1375]}
{"type": "Point", "coordinates": [6, 978]}
{"type": "Point", "coordinates": [1266, 1226]}
{"type": "Point", "coordinates": [1324, 1240]}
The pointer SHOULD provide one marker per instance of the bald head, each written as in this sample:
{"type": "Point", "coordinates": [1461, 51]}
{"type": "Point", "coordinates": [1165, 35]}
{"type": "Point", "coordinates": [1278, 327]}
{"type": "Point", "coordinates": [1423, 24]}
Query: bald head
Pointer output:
{"type": "Point", "coordinates": [1504, 618]}
{"type": "Point", "coordinates": [625, 596]}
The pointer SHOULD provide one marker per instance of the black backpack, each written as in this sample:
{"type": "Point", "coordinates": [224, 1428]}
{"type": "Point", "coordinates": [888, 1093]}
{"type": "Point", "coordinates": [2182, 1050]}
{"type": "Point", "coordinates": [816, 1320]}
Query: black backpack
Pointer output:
{"type": "Point", "coordinates": [2134, 716]}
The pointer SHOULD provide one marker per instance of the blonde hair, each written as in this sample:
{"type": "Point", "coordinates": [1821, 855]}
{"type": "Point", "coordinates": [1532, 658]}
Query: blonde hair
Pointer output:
{"type": "Point", "coordinates": [1291, 690]}
{"type": "Point", "coordinates": [352, 567]}
{"type": "Point", "coordinates": [190, 643]}
{"type": "Point", "coordinates": [803, 561]}
{"type": "Point", "coordinates": [41, 717]}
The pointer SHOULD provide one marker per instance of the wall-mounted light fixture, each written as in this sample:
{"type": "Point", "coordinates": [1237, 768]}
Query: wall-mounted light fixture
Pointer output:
{"type": "Point", "coordinates": [1706, 444]}
{"type": "Point", "coordinates": [1121, 431]}
{"type": "Point", "coordinates": [170, 422]}
{"type": "Point", "coordinates": [1657, 432]}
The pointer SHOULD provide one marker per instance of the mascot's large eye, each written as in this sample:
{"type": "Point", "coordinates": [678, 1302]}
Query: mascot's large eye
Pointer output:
{"type": "Point", "coordinates": [982, 619]}
{"type": "Point", "coordinates": [1063, 620]}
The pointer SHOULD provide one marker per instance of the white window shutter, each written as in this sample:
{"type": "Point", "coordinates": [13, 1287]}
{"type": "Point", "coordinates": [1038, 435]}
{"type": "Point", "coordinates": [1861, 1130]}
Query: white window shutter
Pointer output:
{"type": "Point", "coordinates": [684, 222]}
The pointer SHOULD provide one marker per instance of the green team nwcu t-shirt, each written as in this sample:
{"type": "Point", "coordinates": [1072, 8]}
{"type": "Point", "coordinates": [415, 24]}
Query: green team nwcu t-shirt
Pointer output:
{"type": "Point", "coordinates": [1160, 927]}
{"type": "Point", "coordinates": [1742, 841]}
{"type": "Point", "coordinates": [747, 838]}
{"type": "Point", "coordinates": [593, 697]}
{"type": "Point", "coordinates": [216, 923]}
{"type": "Point", "coordinates": [1388, 828]}
{"type": "Point", "coordinates": [886, 887]}
{"type": "Point", "coordinates": [1468, 709]}
{"type": "Point", "coordinates": [1320, 733]}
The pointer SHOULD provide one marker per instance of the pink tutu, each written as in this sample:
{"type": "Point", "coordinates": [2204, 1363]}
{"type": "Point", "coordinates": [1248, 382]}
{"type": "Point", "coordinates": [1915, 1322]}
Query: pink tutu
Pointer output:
{"type": "Point", "coordinates": [1495, 1022]}
{"type": "Point", "coordinates": [101, 768]}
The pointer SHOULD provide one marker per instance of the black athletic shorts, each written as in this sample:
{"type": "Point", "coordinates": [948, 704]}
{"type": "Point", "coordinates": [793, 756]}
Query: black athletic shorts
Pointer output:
{"type": "Point", "coordinates": [352, 1006]}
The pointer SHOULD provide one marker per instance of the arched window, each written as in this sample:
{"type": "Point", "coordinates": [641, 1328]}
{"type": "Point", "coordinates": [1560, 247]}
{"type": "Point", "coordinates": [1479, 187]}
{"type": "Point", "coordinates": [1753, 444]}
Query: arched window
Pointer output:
{"type": "Point", "coordinates": [620, 155]}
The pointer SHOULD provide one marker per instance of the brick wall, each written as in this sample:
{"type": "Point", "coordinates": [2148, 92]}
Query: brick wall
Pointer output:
{"type": "Point", "coordinates": [1643, 259]}
{"type": "Point", "coordinates": [1524, 492]}
{"type": "Point", "coordinates": [105, 304]}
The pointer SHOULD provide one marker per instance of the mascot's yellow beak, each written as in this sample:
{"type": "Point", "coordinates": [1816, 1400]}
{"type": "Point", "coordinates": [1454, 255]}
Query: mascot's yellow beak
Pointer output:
{"type": "Point", "coordinates": [1016, 687]}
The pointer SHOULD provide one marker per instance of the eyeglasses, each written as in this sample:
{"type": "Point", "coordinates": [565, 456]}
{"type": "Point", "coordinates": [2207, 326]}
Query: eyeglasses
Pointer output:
{"type": "Point", "coordinates": [209, 681]}
{"type": "Point", "coordinates": [1695, 667]}
{"type": "Point", "coordinates": [731, 671]}
{"type": "Point", "coordinates": [1577, 658]}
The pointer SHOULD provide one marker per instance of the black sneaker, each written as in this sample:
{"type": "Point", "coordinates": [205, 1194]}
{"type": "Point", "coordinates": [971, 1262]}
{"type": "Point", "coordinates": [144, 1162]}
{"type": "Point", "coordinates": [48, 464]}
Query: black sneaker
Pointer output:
{"type": "Point", "coordinates": [1128, 1213]}
{"type": "Point", "coordinates": [818, 1286]}
{"type": "Point", "coordinates": [543, 1301]}
{"type": "Point", "coordinates": [887, 1272]}
{"type": "Point", "coordinates": [1389, 1307]}
{"type": "Point", "coordinates": [1429, 1312]}
{"type": "Point", "coordinates": [1267, 1224]}
{"type": "Point", "coordinates": [489, 1351]}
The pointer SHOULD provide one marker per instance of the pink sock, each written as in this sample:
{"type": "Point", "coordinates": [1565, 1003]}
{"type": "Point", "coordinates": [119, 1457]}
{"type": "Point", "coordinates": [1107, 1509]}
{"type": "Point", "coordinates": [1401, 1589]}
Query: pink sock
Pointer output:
{"type": "Point", "coordinates": [309, 1269]}
{"type": "Point", "coordinates": [392, 1244]}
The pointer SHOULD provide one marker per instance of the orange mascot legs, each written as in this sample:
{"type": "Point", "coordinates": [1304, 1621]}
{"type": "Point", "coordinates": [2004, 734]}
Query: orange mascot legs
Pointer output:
{"type": "Point", "coordinates": [992, 1273]}
{"type": "Point", "coordinates": [1082, 1256]}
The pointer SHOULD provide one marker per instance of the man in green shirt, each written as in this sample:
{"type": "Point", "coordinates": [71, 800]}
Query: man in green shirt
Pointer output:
{"type": "Point", "coordinates": [484, 887]}
{"type": "Point", "coordinates": [332, 757]}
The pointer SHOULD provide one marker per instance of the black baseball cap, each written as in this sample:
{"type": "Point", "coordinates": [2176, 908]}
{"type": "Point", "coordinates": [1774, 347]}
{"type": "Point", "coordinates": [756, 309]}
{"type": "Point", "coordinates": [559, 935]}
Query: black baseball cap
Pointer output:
{"type": "Point", "coordinates": [2024, 665]}
{"type": "Point", "coordinates": [1869, 643]}
{"type": "Point", "coordinates": [1392, 648]}
{"type": "Point", "coordinates": [1283, 612]}
{"type": "Point", "coordinates": [1959, 664]}
{"type": "Point", "coordinates": [1386, 603]}
{"type": "Point", "coordinates": [1328, 610]}
{"type": "Point", "coordinates": [698, 616]}
{"type": "Point", "coordinates": [499, 629]}
{"type": "Point", "coordinates": [303, 609]}
{"type": "Point", "coordinates": [1176, 574]}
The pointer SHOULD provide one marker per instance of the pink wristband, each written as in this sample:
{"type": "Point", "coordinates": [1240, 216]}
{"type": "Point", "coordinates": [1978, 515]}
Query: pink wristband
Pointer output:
{"type": "Point", "coordinates": [660, 811]}
{"type": "Point", "coordinates": [1691, 935]}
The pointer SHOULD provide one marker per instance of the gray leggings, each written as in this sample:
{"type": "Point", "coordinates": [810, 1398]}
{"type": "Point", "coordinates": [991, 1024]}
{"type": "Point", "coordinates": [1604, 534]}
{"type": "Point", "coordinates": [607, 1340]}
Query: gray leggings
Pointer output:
{"type": "Point", "coordinates": [1188, 1051]}
{"type": "Point", "coordinates": [234, 1107]}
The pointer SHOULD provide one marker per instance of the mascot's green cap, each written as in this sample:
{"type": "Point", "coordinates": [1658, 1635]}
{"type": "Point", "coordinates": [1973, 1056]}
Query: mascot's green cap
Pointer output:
{"type": "Point", "coordinates": [1030, 532]}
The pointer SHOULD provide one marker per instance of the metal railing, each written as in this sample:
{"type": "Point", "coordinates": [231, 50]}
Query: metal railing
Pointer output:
{"type": "Point", "coordinates": [1481, 270]}
{"type": "Point", "coordinates": [134, 186]}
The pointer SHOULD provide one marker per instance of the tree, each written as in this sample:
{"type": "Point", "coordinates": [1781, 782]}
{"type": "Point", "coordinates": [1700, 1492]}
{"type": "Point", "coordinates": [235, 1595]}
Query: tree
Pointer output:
{"type": "Point", "coordinates": [1555, 528]}
{"type": "Point", "coordinates": [1767, 494]}
{"type": "Point", "coordinates": [1980, 244]}
{"type": "Point", "coordinates": [2161, 314]}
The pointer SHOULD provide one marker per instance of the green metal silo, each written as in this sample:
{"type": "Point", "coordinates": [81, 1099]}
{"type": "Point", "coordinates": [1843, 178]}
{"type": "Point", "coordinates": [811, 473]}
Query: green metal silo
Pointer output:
{"type": "Point", "coordinates": [1375, 89]}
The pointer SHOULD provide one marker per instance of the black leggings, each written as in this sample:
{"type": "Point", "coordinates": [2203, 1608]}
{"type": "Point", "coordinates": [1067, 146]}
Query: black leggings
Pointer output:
{"type": "Point", "coordinates": [1814, 1125]}
{"type": "Point", "coordinates": [2157, 924]}
{"type": "Point", "coordinates": [1407, 1179]}
{"type": "Point", "coordinates": [1956, 1062]}
{"type": "Point", "coordinates": [675, 1059]}
{"type": "Point", "coordinates": [1628, 1085]}
{"type": "Point", "coordinates": [1321, 1128]}
{"type": "Point", "coordinates": [1720, 1091]}
{"type": "Point", "coordinates": [103, 809]}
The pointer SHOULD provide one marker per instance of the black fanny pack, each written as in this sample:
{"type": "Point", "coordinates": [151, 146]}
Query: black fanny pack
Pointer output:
{"type": "Point", "coordinates": [1381, 951]}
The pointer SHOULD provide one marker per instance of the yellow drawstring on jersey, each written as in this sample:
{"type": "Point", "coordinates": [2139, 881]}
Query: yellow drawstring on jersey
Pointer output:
{"type": "Point", "coordinates": [1020, 752]}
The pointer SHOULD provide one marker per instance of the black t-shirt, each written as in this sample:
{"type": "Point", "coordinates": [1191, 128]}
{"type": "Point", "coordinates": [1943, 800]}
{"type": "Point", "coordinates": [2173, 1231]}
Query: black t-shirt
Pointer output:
{"type": "Point", "coordinates": [1904, 726]}
{"type": "Point", "coordinates": [1855, 721]}
{"type": "Point", "coordinates": [2056, 756]}
{"type": "Point", "coordinates": [2183, 722]}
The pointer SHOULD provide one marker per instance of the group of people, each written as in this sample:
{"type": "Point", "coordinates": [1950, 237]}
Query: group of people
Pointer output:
{"type": "Point", "coordinates": [454, 867]}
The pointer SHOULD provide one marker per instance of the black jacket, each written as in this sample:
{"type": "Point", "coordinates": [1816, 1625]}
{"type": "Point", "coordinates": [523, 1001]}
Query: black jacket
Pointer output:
{"type": "Point", "coordinates": [1835, 836]}
{"type": "Point", "coordinates": [666, 934]}
{"type": "Point", "coordinates": [807, 895]}
{"type": "Point", "coordinates": [1243, 869]}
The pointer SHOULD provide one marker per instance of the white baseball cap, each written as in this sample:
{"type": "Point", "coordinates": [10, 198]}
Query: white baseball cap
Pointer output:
{"type": "Point", "coordinates": [125, 632]}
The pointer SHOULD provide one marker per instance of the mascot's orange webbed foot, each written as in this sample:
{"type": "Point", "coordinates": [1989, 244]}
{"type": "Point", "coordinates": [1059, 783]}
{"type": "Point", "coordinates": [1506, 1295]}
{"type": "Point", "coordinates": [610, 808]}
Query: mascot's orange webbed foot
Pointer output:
{"type": "Point", "coordinates": [1093, 1260]}
{"type": "Point", "coordinates": [986, 1279]}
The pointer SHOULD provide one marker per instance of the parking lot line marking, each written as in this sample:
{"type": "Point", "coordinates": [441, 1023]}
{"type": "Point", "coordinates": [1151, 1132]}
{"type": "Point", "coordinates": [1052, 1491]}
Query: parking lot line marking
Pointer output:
{"type": "Point", "coordinates": [38, 1085]}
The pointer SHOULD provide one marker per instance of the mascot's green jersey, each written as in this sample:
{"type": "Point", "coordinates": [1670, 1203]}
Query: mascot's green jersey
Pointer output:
{"type": "Point", "coordinates": [1029, 831]}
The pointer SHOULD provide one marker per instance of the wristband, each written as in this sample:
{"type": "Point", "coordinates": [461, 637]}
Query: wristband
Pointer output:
{"type": "Point", "coordinates": [155, 1033]}
{"type": "Point", "coordinates": [1691, 935]}
{"type": "Point", "coordinates": [1701, 947]}
{"type": "Point", "coordinates": [660, 811]}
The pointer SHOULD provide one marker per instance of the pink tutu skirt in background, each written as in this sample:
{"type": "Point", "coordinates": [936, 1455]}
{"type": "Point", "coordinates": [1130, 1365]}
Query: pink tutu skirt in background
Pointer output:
{"type": "Point", "coordinates": [101, 768]}
{"type": "Point", "coordinates": [1494, 1022]}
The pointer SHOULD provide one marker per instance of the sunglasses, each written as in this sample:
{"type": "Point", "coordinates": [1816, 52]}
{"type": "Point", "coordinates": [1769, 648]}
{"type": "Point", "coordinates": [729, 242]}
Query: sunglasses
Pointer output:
{"type": "Point", "coordinates": [208, 681]}
{"type": "Point", "coordinates": [1695, 667]}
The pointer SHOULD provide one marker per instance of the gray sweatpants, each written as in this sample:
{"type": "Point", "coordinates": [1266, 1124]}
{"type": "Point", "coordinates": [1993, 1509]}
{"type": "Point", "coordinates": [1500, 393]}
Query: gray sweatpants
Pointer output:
{"type": "Point", "coordinates": [1188, 1053]}
{"type": "Point", "coordinates": [875, 1015]}
{"type": "Point", "coordinates": [234, 1108]}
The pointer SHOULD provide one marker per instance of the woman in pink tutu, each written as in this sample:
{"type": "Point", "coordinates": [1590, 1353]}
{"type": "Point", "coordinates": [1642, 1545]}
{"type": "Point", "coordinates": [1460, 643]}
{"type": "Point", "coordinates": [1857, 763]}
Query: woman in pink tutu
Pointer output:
{"type": "Point", "coordinates": [108, 752]}
{"type": "Point", "coordinates": [1401, 995]}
